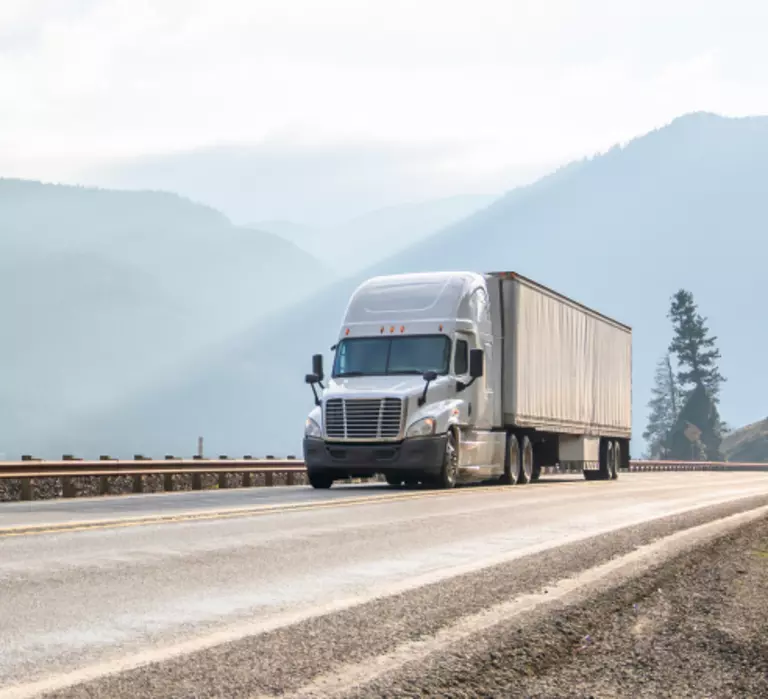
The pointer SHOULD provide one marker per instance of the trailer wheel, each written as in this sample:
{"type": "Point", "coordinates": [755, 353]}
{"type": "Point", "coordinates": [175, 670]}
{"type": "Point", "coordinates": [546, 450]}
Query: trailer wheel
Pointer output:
{"type": "Point", "coordinates": [449, 473]}
{"type": "Point", "coordinates": [526, 462]}
{"type": "Point", "coordinates": [606, 460]}
{"type": "Point", "coordinates": [511, 462]}
{"type": "Point", "coordinates": [616, 462]}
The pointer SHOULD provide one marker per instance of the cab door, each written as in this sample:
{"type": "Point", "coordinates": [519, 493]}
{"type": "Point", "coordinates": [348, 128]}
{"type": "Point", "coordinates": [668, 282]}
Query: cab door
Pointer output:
{"type": "Point", "coordinates": [480, 309]}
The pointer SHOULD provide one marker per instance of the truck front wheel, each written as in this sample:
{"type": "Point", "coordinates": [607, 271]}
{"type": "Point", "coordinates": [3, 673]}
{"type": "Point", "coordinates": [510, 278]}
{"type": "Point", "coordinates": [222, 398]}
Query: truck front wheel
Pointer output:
{"type": "Point", "coordinates": [449, 473]}
{"type": "Point", "coordinates": [320, 480]}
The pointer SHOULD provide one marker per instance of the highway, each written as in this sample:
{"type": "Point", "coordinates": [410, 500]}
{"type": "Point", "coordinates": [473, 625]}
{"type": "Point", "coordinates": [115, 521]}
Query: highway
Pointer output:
{"type": "Point", "coordinates": [256, 592]}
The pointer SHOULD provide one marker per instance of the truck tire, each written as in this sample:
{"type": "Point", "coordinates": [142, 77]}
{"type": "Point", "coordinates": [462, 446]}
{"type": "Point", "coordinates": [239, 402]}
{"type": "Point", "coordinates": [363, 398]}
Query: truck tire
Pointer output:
{"type": "Point", "coordinates": [511, 461]}
{"type": "Point", "coordinates": [536, 473]}
{"type": "Point", "coordinates": [320, 480]}
{"type": "Point", "coordinates": [450, 470]}
{"type": "Point", "coordinates": [616, 463]}
{"type": "Point", "coordinates": [606, 460]}
{"type": "Point", "coordinates": [526, 462]}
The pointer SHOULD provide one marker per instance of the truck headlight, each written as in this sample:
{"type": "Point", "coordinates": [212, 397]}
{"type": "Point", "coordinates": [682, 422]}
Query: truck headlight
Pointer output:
{"type": "Point", "coordinates": [422, 428]}
{"type": "Point", "coordinates": [312, 429]}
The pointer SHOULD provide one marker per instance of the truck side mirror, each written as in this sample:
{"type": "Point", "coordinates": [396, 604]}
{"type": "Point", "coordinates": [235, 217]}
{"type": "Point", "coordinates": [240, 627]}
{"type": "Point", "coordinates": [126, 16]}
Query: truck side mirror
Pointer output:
{"type": "Point", "coordinates": [429, 377]}
{"type": "Point", "coordinates": [476, 362]}
{"type": "Point", "coordinates": [316, 377]}
{"type": "Point", "coordinates": [317, 367]}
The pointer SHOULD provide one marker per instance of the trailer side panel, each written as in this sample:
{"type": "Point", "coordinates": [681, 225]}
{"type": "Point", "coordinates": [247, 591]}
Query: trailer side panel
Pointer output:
{"type": "Point", "coordinates": [566, 369]}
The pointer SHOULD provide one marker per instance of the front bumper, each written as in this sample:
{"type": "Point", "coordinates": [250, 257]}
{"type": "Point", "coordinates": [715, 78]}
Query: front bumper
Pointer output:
{"type": "Point", "coordinates": [420, 455]}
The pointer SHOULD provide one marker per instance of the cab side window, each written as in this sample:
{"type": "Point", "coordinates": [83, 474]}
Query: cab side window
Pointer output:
{"type": "Point", "coordinates": [461, 359]}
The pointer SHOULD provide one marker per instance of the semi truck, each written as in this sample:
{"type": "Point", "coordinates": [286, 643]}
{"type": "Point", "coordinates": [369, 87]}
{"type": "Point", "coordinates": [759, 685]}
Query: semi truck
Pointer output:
{"type": "Point", "coordinates": [443, 378]}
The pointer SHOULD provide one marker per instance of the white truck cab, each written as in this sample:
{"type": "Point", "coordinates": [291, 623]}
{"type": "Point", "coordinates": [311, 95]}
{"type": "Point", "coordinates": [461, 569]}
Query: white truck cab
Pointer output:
{"type": "Point", "coordinates": [422, 389]}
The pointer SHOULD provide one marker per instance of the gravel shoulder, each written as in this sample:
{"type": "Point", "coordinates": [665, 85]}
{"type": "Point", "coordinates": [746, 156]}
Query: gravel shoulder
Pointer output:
{"type": "Point", "coordinates": [523, 660]}
{"type": "Point", "coordinates": [695, 627]}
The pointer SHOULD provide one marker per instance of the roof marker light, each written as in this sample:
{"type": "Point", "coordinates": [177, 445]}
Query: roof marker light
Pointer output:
{"type": "Point", "coordinates": [382, 329]}
{"type": "Point", "coordinates": [402, 328]}
{"type": "Point", "coordinates": [391, 328]}
{"type": "Point", "coordinates": [347, 332]}
{"type": "Point", "coordinates": [441, 327]}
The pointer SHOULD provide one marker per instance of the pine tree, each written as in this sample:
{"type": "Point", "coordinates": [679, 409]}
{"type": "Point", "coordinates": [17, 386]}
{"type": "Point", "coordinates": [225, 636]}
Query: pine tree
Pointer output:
{"type": "Point", "coordinates": [695, 349]}
{"type": "Point", "coordinates": [699, 411]}
{"type": "Point", "coordinates": [699, 379]}
{"type": "Point", "coordinates": [663, 409]}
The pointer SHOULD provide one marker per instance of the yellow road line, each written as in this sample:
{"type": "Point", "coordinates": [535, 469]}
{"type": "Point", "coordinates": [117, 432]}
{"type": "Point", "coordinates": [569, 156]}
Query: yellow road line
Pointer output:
{"type": "Point", "coordinates": [85, 525]}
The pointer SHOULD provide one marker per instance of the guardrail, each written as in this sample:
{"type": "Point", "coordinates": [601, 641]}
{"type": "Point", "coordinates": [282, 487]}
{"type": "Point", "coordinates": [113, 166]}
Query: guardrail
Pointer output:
{"type": "Point", "coordinates": [642, 465]}
{"type": "Point", "coordinates": [111, 474]}
{"type": "Point", "coordinates": [123, 476]}
{"type": "Point", "coordinates": [697, 466]}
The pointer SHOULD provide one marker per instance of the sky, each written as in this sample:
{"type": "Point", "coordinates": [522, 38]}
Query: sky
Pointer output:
{"type": "Point", "coordinates": [480, 95]}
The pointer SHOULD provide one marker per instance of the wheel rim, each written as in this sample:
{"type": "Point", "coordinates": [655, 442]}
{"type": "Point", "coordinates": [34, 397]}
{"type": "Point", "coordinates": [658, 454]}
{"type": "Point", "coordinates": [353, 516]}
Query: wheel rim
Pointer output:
{"type": "Point", "coordinates": [514, 461]}
{"type": "Point", "coordinates": [452, 461]}
{"type": "Point", "coordinates": [528, 462]}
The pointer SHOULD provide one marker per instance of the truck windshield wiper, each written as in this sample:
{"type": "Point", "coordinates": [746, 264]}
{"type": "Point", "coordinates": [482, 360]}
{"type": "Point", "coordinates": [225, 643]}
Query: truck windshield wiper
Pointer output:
{"type": "Point", "coordinates": [350, 373]}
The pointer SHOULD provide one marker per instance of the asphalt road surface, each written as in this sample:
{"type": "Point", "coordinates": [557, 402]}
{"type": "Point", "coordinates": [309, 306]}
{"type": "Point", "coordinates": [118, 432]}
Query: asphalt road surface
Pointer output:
{"type": "Point", "coordinates": [261, 591]}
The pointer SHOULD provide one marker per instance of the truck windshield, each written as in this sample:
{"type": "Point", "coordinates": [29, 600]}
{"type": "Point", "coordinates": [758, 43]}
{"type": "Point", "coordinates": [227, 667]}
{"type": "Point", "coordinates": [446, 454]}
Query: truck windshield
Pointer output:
{"type": "Point", "coordinates": [381, 356]}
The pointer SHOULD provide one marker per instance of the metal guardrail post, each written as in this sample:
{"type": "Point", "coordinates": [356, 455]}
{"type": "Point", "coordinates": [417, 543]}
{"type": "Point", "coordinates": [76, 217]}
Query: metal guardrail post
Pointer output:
{"type": "Point", "coordinates": [104, 480]}
{"type": "Point", "coordinates": [138, 479]}
{"type": "Point", "coordinates": [247, 479]}
{"type": "Point", "coordinates": [197, 478]}
{"type": "Point", "coordinates": [223, 480]}
{"type": "Point", "coordinates": [68, 489]}
{"type": "Point", "coordinates": [26, 489]}
{"type": "Point", "coordinates": [168, 477]}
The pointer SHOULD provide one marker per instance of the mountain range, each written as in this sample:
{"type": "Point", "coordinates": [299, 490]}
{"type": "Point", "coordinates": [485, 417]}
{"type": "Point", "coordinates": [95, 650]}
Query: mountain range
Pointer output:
{"type": "Point", "coordinates": [102, 292]}
{"type": "Point", "coordinates": [749, 444]}
{"type": "Point", "coordinates": [359, 242]}
{"type": "Point", "coordinates": [683, 206]}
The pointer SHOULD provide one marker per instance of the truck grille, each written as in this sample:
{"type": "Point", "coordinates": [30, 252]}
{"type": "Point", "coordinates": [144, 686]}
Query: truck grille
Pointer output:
{"type": "Point", "coordinates": [363, 418]}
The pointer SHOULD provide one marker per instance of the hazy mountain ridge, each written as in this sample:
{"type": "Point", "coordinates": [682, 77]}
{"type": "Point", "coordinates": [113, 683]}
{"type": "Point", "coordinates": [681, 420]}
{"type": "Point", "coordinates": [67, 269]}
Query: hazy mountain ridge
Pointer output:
{"type": "Point", "coordinates": [748, 444]}
{"type": "Point", "coordinates": [620, 232]}
{"type": "Point", "coordinates": [310, 183]}
{"type": "Point", "coordinates": [102, 291]}
{"type": "Point", "coordinates": [362, 241]}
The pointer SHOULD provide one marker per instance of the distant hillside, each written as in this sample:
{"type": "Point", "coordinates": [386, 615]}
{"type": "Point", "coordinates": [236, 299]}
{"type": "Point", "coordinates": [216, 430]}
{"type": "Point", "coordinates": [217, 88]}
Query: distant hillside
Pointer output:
{"type": "Point", "coordinates": [365, 240]}
{"type": "Point", "coordinates": [101, 292]}
{"type": "Point", "coordinates": [686, 205]}
{"type": "Point", "coordinates": [748, 444]}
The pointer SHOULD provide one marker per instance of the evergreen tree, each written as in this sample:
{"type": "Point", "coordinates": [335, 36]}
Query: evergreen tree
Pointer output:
{"type": "Point", "coordinates": [663, 409]}
{"type": "Point", "coordinates": [700, 412]}
{"type": "Point", "coordinates": [695, 349]}
{"type": "Point", "coordinates": [699, 379]}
